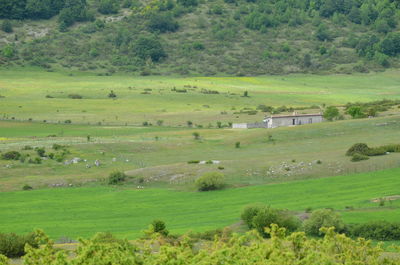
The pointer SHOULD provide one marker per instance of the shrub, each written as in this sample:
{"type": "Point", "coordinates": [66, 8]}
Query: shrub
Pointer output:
{"type": "Point", "coordinates": [40, 151]}
{"type": "Point", "coordinates": [210, 181]}
{"type": "Point", "coordinates": [237, 145]}
{"type": "Point", "coordinates": [360, 148]}
{"type": "Point", "coordinates": [356, 112]}
{"type": "Point", "coordinates": [57, 146]}
{"type": "Point", "coordinates": [158, 226]}
{"type": "Point", "coordinates": [6, 26]}
{"type": "Point", "coordinates": [359, 157]}
{"type": "Point", "coordinates": [11, 155]}
{"type": "Point", "coordinates": [12, 245]}
{"type": "Point", "coordinates": [149, 47]}
{"type": "Point", "coordinates": [393, 148]}
{"type": "Point", "coordinates": [116, 178]}
{"type": "Point", "coordinates": [27, 187]}
{"type": "Point", "coordinates": [377, 230]}
{"type": "Point", "coordinates": [36, 160]}
{"type": "Point", "coordinates": [112, 94]}
{"type": "Point", "coordinates": [196, 135]}
{"type": "Point", "coordinates": [75, 96]}
{"type": "Point", "coordinates": [193, 161]}
{"type": "Point", "coordinates": [162, 23]}
{"type": "Point", "coordinates": [377, 151]}
{"type": "Point", "coordinates": [260, 216]}
{"type": "Point", "coordinates": [249, 212]}
{"type": "Point", "coordinates": [108, 7]}
{"type": "Point", "coordinates": [323, 218]}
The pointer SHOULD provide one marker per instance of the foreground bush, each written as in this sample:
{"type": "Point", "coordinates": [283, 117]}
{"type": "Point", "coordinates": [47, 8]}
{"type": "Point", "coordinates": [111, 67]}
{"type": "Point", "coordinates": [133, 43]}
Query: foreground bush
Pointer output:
{"type": "Point", "coordinates": [250, 248]}
{"type": "Point", "coordinates": [210, 181]}
{"type": "Point", "coordinates": [260, 216]}
{"type": "Point", "coordinates": [12, 245]}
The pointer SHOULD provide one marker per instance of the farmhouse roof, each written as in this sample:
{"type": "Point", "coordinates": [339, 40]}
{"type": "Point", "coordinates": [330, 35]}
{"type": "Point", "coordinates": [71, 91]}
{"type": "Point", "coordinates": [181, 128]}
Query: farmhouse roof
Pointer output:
{"type": "Point", "coordinates": [296, 115]}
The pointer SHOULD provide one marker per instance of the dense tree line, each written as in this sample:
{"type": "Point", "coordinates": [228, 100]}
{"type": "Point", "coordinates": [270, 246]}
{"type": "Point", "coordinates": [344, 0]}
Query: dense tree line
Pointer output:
{"type": "Point", "coordinates": [32, 9]}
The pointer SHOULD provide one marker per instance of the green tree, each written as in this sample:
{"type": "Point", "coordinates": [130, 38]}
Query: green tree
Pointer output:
{"type": "Point", "coordinates": [116, 178]}
{"type": "Point", "coordinates": [188, 3]}
{"type": "Point", "coordinates": [108, 7]}
{"type": "Point", "coordinates": [323, 33]}
{"type": "Point", "coordinates": [331, 113]}
{"type": "Point", "coordinates": [149, 47]}
{"type": "Point", "coordinates": [6, 26]}
{"type": "Point", "coordinates": [210, 181]}
{"type": "Point", "coordinates": [323, 218]}
{"type": "Point", "coordinates": [356, 112]}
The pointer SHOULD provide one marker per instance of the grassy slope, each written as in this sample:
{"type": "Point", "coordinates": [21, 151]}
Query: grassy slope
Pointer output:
{"type": "Point", "coordinates": [83, 211]}
{"type": "Point", "coordinates": [25, 91]}
{"type": "Point", "coordinates": [163, 162]}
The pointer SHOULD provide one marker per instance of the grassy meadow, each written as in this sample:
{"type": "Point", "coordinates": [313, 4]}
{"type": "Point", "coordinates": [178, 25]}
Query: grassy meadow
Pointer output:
{"type": "Point", "coordinates": [74, 212]}
{"type": "Point", "coordinates": [288, 167]}
{"type": "Point", "coordinates": [141, 99]}
{"type": "Point", "coordinates": [158, 156]}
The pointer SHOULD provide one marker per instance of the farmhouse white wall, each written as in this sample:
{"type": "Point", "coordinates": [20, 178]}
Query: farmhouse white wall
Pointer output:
{"type": "Point", "coordinates": [279, 121]}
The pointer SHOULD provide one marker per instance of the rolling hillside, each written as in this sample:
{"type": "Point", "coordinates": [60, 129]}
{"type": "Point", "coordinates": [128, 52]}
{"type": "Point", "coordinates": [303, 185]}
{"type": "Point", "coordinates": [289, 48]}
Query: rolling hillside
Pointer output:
{"type": "Point", "coordinates": [230, 37]}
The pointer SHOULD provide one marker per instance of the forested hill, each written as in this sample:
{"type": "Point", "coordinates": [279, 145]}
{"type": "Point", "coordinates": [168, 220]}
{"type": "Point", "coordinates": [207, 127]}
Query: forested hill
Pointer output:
{"type": "Point", "coordinates": [207, 37]}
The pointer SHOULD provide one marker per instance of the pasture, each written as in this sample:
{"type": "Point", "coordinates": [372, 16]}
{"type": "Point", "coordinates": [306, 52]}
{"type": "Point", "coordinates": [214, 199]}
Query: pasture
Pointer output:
{"type": "Point", "coordinates": [158, 156]}
{"type": "Point", "coordinates": [27, 93]}
{"type": "Point", "coordinates": [75, 212]}
{"type": "Point", "coordinates": [287, 167]}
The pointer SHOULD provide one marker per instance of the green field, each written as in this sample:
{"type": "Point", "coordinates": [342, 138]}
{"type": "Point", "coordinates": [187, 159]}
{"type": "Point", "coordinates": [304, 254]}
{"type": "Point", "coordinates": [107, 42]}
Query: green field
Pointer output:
{"type": "Point", "coordinates": [77, 212]}
{"type": "Point", "coordinates": [289, 167]}
{"type": "Point", "coordinates": [25, 90]}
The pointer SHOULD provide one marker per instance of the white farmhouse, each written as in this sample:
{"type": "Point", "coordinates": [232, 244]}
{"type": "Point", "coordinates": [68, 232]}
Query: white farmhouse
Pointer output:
{"type": "Point", "coordinates": [274, 121]}
{"type": "Point", "coordinates": [292, 120]}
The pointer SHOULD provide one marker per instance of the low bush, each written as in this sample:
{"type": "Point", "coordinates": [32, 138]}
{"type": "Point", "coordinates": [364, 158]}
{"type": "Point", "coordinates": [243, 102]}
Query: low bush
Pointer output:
{"type": "Point", "coordinates": [36, 160]}
{"type": "Point", "coordinates": [12, 245]}
{"type": "Point", "coordinates": [158, 226]}
{"type": "Point", "coordinates": [260, 216]}
{"type": "Point", "coordinates": [40, 151]}
{"type": "Point", "coordinates": [359, 148]}
{"type": "Point", "coordinates": [27, 187]}
{"type": "Point", "coordinates": [210, 181]}
{"type": "Point", "coordinates": [193, 161]}
{"type": "Point", "coordinates": [116, 178]}
{"type": "Point", "coordinates": [323, 218]}
{"type": "Point", "coordinates": [377, 151]}
{"type": "Point", "coordinates": [392, 148]}
{"type": "Point", "coordinates": [75, 96]}
{"type": "Point", "coordinates": [11, 155]}
{"type": "Point", "coordinates": [377, 230]}
{"type": "Point", "coordinates": [359, 157]}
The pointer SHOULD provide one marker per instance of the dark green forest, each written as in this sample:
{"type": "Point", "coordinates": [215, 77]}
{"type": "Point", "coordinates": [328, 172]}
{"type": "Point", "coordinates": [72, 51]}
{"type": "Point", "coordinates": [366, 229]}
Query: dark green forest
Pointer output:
{"type": "Point", "coordinates": [208, 37]}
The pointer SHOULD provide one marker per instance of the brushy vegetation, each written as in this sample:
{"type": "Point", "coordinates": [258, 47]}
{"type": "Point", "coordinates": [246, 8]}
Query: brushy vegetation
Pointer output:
{"type": "Point", "coordinates": [362, 151]}
{"type": "Point", "coordinates": [12, 245]}
{"type": "Point", "coordinates": [294, 248]}
{"type": "Point", "coordinates": [260, 216]}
